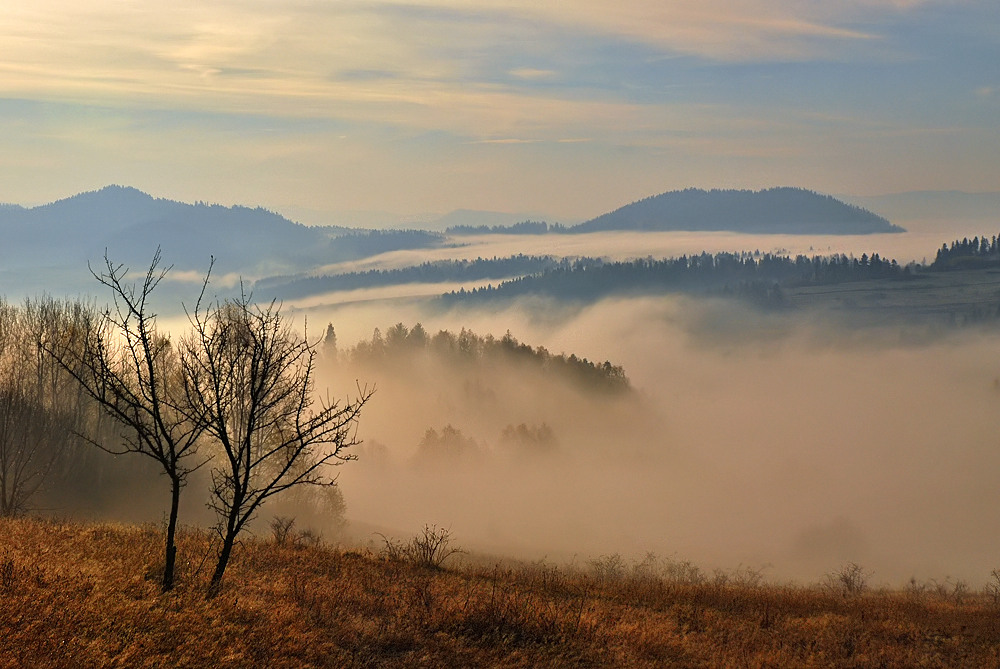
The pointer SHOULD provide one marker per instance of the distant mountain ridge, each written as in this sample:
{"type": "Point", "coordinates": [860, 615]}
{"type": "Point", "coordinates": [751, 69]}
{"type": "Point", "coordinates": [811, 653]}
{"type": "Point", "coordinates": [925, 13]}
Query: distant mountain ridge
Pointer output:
{"type": "Point", "coordinates": [775, 210]}
{"type": "Point", "coordinates": [48, 247]}
{"type": "Point", "coordinates": [126, 221]}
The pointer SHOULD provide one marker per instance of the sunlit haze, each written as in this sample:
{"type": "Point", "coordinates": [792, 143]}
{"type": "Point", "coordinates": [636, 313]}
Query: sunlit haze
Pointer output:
{"type": "Point", "coordinates": [337, 112]}
{"type": "Point", "coordinates": [824, 390]}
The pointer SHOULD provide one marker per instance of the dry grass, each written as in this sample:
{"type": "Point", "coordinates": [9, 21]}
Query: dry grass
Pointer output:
{"type": "Point", "coordinates": [75, 595]}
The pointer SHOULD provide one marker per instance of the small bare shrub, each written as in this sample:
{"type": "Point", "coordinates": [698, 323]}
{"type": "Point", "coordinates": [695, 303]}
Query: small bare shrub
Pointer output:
{"type": "Point", "coordinates": [8, 572]}
{"type": "Point", "coordinates": [992, 589]}
{"type": "Point", "coordinates": [608, 567]}
{"type": "Point", "coordinates": [849, 580]}
{"type": "Point", "coordinates": [310, 537]}
{"type": "Point", "coordinates": [683, 572]}
{"type": "Point", "coordinates": [432, 546]}
{"type": "Point", "coordinates": [747, 577]}
{"type": "Point", "coordinates": [394, 550]}
{"type": "Point", "coordinates": [915, 589]}
{"type": "Point", "coordinates": [959, 591]}
{"type": "Point", "coordinates": [281, 530]}
{"type": "Point", "coordinates": [429, 549]}
{"type": "Point", "coordinates": [948, 590]}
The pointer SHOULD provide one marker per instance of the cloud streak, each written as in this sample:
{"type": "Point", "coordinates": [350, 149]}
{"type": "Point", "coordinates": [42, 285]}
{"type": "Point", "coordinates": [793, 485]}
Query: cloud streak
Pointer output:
{"type": "Point", "coordinates": [713, 84]}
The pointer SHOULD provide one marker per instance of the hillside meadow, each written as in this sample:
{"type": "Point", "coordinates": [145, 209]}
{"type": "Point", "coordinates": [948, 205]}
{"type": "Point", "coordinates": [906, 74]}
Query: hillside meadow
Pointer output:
{"type": "Point", "coordinates": [86, 595]}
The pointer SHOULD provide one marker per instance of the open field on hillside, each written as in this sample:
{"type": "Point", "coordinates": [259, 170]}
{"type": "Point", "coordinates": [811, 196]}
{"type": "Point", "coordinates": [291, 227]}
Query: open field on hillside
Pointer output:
{"type": "Point", "coordinates": [949, 298]}
{"type": "Point", "coordinates": [75, 595]}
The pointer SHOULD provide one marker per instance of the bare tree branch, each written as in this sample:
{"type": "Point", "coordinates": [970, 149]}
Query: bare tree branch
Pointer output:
{"type": "Point", "coordinates": [132, 371]}
{"type": "Point", "coordinates": [250, 381]}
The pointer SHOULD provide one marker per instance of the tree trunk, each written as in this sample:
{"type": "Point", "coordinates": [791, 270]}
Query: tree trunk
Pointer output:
{"type": "Point", "coordinates": [171, 550]}
{"type": "Point", "coordinates": [228, 539]}
{"type": "Point", "coordinates": [220, 567]}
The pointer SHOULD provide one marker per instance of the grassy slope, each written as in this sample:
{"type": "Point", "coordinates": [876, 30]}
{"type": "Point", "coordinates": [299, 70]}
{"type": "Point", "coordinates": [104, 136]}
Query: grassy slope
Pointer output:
{"type": "Point", "coordinates": [76, 595]}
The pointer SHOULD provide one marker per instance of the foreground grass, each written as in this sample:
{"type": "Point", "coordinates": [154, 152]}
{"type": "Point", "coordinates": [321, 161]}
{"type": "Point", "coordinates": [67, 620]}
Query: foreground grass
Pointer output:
{"type": "Point", "coordinates": [74, 595]}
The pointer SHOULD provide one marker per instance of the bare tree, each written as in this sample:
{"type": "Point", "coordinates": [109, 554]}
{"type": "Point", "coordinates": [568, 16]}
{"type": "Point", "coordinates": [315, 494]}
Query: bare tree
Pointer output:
{"type": "Point", "coordinates": [250, 382]}
{"type": "Point", "coordinates": [132, 371]}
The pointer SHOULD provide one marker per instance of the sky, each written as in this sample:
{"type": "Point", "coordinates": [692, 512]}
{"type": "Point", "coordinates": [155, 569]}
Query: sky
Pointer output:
{"type": "Point", "coordinates": [324, 109]}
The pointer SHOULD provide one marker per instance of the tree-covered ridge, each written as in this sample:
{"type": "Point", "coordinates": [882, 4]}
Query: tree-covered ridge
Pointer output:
{"type": "Point", "coordinates": [775, 210]}
{"type": "Point", "coordinates": [440, 271]}
{"type": "Point", "coordinates": [729, 272]}
{"type": "Point", "coordinates": [979, 252]}
{"type": "Point", "coordinates": [400, 342]}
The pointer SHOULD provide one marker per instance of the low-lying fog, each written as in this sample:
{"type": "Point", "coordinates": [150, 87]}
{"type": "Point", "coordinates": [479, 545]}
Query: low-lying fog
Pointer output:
{"type": "Point", "coordinates": [911, 246]}
{"type": "Point", "coordinates": [751, 439]}
{"type": "Point", "coordinates": [747, 442]}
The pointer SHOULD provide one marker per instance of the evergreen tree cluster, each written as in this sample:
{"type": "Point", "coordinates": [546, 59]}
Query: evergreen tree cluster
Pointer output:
{"type": "Point", "coordinates": [968, 254]}
{"type": "Point", "coordinates": [466, 347]}
{"type": "Point", "coordinates": [739, 273]}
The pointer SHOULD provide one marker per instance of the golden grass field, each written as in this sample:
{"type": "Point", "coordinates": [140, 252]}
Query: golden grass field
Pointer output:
{"type": "Point", "coordinates": [86, 595]}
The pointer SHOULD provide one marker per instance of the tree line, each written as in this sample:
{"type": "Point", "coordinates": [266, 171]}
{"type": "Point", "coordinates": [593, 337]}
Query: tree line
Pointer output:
{"type": "Point", "coordinates": [521, 228]}
{"type": "Point", "coordinates": [365, 243]}
{"type": "Point", "coordinates": [736, 273]}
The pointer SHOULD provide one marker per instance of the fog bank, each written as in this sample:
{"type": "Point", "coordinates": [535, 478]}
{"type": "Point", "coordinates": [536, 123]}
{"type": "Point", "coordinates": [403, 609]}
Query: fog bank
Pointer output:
{"type": "Point", "coordinates": [793, 447]}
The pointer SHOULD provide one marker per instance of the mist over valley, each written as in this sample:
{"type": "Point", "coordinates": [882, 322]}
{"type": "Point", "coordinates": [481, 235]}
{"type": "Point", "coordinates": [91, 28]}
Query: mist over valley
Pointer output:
{"type": "Point", "coordinates": [500, 334]}
{"type": "Point", "coordinates": [840, 415]}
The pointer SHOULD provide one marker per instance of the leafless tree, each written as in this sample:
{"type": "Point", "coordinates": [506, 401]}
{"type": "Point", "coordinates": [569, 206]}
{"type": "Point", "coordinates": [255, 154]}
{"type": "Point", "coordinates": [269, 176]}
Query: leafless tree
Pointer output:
{"type": "Point", "coordinates": [250, 382]}
{"type": "Point", "coordinates": [132, 371]}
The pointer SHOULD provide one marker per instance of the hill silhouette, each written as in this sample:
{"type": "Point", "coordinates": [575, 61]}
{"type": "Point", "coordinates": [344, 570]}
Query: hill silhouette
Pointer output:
{"type": "Point", "coordinates": [775, 210]}
{"type": "Point", "coordinates": [48, 247]}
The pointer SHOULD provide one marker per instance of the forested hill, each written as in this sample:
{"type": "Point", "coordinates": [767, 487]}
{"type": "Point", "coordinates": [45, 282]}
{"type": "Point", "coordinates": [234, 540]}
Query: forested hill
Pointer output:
{"type": "Point", "coordinates": [776, 210]}
{"type": "Point", "coordinates": [399, 345]}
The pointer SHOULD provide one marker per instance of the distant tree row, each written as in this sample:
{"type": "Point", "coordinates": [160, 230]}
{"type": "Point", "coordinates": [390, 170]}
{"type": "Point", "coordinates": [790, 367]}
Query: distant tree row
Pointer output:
{"type": "Point", "coordinates": [726, 272]}
{"type": "Point", "coordinates": [362, 244]}
{"type": "Point", "coordinates": [968, 254]}
{"type": "Point", "coordinates": [399, 343]}
{"type": "Point", "coordinates": [522, 228]}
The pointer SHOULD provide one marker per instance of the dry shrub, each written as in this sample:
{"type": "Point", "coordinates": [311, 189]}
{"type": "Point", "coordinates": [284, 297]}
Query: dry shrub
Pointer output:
{"type": "Point", "coordinates": [992, 588]}
{"type": "Point", "coordinates": [848, 581]}
{"type": "Point", "coordinates": [428, 549]}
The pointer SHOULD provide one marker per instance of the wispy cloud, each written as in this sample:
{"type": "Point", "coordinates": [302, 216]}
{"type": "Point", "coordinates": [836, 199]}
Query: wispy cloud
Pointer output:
{"type": "Point", "coordinates": [532, 73]}
{"type": "Point", "coordinates": [647, 82]}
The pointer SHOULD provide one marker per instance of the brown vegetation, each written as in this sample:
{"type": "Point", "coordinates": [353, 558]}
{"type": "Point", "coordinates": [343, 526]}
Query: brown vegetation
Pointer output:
{"type": "Point", "coordinates": [87, 595]}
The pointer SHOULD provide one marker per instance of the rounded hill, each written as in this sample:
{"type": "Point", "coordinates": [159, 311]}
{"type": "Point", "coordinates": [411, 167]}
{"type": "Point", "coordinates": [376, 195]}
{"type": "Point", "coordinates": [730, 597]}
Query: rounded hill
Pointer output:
{"type": "Point", "coordinates": [775, 210]}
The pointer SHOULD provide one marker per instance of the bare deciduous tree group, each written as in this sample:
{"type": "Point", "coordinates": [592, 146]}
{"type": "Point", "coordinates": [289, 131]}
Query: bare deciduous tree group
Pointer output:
{"type": "Point", "coordinates": [235, 393]}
